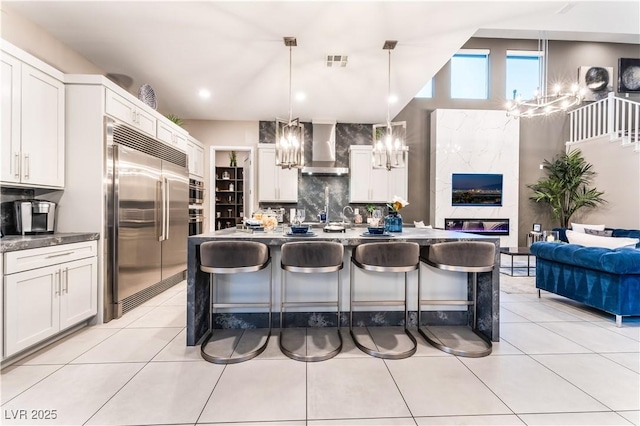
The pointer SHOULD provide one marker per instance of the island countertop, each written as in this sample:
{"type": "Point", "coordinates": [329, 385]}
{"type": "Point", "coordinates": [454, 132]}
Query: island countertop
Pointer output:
{"type": "Point", "coordinates": [198, 286]}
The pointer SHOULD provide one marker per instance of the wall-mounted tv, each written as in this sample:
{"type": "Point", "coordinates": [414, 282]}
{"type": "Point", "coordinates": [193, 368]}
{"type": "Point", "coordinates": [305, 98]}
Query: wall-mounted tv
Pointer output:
{"type": "Point", "coordinates": [471, 189]}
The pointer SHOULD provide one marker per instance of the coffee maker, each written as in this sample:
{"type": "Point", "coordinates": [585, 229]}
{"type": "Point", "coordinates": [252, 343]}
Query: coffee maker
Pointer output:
{"type": "Point", "coordinates": [28, 217]}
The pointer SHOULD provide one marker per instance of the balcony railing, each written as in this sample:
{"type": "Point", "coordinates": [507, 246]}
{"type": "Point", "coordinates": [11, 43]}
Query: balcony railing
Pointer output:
{"type": "Point", "coordinates": [613, 116]}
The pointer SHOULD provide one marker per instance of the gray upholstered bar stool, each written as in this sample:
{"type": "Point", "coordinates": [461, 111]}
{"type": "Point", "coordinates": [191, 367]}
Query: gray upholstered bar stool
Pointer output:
{"type": "Point", "coordinates": [233, 257]}
{"type": "Point", "coordinates": [384, 257]}
{"type": "Point", "coordinates": [310, 257]}
{"type": "Point", "coordinates": [458, 256]}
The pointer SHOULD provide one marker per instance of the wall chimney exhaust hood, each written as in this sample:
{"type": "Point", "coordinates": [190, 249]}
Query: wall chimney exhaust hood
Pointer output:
{"type": "Point", "coordinates": [323, 151]}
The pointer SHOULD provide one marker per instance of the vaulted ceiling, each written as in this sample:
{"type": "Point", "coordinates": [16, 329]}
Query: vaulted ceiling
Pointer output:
{"type": "Point", "coordinates": [235, 49]}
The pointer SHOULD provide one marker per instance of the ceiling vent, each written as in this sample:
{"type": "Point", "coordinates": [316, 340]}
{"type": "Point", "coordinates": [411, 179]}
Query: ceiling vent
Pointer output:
{"type": "Point", "coordinates": [337, 61]}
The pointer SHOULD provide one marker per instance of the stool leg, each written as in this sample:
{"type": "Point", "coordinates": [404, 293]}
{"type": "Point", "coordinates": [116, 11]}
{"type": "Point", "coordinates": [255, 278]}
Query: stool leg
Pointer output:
{"type": "Point", "coordinates": [474, 281]}
{"type": "Point", "coordinates": [352, 288]}
{"type": "Point", "coordinates": [406, 305]}
{"type": "Point", "coordinates": [270, 297]}
{"type": "Point", "coordinates": [212, 278]}
{"type": "Point", "coordinates": [419, 297]}
{"type": "Point", "coordinates": [282, 299]}
{"type": "Point", "coordinates": [338, 310]}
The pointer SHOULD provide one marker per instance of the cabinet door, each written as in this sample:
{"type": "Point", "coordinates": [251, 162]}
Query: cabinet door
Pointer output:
{"type": "Point", "coordinates": [287, 184]}
{"type": "Point", "coordinates": [165, 133]}
{"type": "Point", "coordinates": [360, 176]}
{"type": "Point", "coordinates": [398, 183]}
{"type": "Point", "coordinates": [145, 122]}
{"type": "Point", "coordinates": [180, 141]}
{"type": "Point", "coordinates": [42, 115]}
{"type": "Point", "coordinates": [198, 162]}
{"type": "Point", "coordinates": [10, 155]}
{"type": "Point", "coordinates": [191, 157]}
{"type": "Point", "coordinates": [379, 185]}
{"type": "Point", "coordinates": [79, 291]}
{"type": "Point", "coordinates": [120, 108]}
{"type": "Point", "coordinates": [267, 180]}
{"type": "Point", "coordinates": [32, 308]}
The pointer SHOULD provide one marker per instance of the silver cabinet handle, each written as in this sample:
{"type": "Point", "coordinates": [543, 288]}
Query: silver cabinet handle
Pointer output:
{"type": "Point", "coordinates": [167, 210]}
{"type": "Point", "coordinates": [58, 255]}
{"type": "Point", "coordinates": [138, 117]}
{"type": "Point", "coordinates": [56, 285]}
{"type": "Point", "coordinates": [16, 164]}
{"type": "Point", "coordinates": [133, 115]}
{"type": "Point", "coordinates": [26, 166]}
{"type": "Point", "coordinates": [66, 280]}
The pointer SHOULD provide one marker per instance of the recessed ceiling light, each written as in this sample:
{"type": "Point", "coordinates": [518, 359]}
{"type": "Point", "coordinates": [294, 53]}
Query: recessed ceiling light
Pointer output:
{"type": "Point", "coordinates": [301, 96]}
{"type": "Point", "coordinates": [393, 99]}
{"type": "Point", "coordinates": [204, 94]}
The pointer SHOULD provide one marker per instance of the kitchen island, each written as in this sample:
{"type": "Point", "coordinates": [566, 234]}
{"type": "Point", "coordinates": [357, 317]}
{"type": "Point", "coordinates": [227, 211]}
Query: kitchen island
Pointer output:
{"type": "Point", "coordinates": [440, 283]}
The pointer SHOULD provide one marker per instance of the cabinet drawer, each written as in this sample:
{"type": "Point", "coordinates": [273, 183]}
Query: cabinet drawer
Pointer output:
{"type": "Point", "coordinates": [24, 260]}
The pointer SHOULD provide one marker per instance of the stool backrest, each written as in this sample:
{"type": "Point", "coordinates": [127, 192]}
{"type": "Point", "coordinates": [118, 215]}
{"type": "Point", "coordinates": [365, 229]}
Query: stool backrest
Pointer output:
{"type": "Point", "coordinates": [466, 254]}
{"type": "Point", "coordinates": [391, 254]}
{"type": "Point", "coordinates": [312, 254]}
{"type": "Point", "coordinates": [233, 254]}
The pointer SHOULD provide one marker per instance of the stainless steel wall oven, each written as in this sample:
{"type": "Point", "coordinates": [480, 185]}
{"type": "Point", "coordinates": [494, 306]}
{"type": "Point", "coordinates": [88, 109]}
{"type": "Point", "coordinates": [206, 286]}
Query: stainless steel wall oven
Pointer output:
{"type": "Point", "coordinates": [196, 191]}
{"type": "Point", "coordinates": [196, 219]}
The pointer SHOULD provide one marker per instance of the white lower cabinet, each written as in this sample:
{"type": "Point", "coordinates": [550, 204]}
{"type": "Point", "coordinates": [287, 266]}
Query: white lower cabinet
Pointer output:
{"type": "Point", "coordinates": [43, 301]}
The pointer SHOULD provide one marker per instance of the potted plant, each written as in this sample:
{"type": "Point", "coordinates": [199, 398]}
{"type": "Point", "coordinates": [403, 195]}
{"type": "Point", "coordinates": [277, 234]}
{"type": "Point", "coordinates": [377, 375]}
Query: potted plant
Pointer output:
{"type": "Point", "coordinates": [175, 119]}
{"type": "Point", "coordinates": [566, 187]}
{"type": "Point", "coordinates": [233, 160]}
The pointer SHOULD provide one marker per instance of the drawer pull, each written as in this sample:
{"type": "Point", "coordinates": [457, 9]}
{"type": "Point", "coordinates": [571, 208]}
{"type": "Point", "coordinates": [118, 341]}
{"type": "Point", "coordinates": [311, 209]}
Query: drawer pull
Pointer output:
{"type": "Point", "coordinates": [59, 255]}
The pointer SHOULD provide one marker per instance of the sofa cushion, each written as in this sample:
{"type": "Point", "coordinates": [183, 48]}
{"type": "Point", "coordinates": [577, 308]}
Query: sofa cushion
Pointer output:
{"type": "Point", "coordinates": [580, 227]}
{"type": "Point", "coordinates": [598, 241]}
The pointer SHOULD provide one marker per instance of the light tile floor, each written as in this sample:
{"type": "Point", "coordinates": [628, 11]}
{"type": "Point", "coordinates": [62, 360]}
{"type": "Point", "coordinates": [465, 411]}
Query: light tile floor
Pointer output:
{"type": "Point", "coordinates": [557, 363]}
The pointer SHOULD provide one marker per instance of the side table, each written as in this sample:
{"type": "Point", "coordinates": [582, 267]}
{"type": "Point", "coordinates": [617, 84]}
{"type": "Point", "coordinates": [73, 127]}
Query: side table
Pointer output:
{"type": "Point", "coordinates": [518, 251]}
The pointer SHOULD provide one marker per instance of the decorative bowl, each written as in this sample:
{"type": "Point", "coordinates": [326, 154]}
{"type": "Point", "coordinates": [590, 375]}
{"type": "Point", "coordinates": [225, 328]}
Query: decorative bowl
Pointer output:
{"type": "Point", "coordinates": [299, 229]}
{"type": "Point", "coordinates": [376, 230]}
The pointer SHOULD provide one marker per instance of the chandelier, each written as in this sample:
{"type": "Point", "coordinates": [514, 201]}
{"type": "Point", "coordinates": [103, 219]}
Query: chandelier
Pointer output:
{"type": "Point", "coordinates": [389, 145]}
{"type": "Point", "coordinates": [543, 102]}
{"type": "Point", "coordinates": [289, 133]}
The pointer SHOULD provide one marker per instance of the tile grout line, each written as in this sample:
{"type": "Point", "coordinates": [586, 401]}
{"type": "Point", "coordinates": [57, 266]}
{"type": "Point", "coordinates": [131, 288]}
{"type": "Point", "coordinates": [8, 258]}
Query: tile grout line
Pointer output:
{"type": "Point", "coordinates": [211, 394]}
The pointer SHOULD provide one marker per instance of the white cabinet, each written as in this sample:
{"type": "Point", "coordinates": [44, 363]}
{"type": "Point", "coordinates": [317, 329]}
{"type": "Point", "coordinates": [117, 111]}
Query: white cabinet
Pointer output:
{"type": "Point", "coordinates": [169, 133]}
{"type": "Point", "coordinates": [369, 185]}
{"type": "Point", "coordinates": [195, 154]}
{"type": "Point", "coordinates": [128, 112]}
{"type": "Point", "coordinates": [274, 182]}
{"type": "Point", "coordinates": [47, 290]}
{"type": "Point", "coordinates": [33, 122]}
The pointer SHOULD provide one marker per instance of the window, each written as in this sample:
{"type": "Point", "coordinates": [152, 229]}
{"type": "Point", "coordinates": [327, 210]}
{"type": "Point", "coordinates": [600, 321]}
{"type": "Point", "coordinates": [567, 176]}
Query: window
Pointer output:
{"type": "Point", "coordinates": [523, 73]}
{"type": "Point", "coordinates": [470, 74]}
{"type": "Point", "coordinates": [426, 91]}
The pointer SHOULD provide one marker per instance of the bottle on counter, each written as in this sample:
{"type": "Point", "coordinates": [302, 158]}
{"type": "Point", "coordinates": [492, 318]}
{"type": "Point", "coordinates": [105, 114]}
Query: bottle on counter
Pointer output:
{"type": "Point", "coordinates": [357, 217]}
{"type": "Point", "coordinates": [230, 187]}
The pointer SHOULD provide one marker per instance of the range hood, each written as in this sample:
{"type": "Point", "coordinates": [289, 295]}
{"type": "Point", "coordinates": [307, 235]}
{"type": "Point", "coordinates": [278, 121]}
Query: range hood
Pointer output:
{"type": "Point", "coordinates": [323, 151]}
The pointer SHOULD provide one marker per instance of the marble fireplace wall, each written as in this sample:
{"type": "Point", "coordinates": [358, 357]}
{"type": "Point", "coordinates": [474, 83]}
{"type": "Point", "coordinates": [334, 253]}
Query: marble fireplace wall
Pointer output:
{"type": "Point", "coordinates": [474, 141]}
{"type": "Point", "coordinates": [311, 189]}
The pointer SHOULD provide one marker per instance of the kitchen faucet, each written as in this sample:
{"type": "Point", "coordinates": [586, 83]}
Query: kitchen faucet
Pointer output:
{"type": "Point", "coordinates": [344, 216]}
{"type": "Point", "coordinates": [326, 204]}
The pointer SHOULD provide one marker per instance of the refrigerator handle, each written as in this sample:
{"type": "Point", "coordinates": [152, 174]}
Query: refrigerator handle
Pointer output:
{"type": "Point", "coordinates": [167, 209]}
{"type": "Point", "coordinates": [160, 208]}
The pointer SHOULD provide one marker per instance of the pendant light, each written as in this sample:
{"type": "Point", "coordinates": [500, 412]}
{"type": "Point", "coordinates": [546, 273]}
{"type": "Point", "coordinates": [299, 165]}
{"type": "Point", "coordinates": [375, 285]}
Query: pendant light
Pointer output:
{"type": "Point", "coordinates": [544, 103]}
{"type": "Point", "coordinates": [389, 139]}
{"type": "Point", "coordinates": [289, 133]}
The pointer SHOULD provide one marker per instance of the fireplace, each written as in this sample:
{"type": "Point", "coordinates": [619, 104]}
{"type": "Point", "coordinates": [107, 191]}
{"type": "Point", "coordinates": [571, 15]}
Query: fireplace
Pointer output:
{"type": "Point", "coordinates": [478, 226]}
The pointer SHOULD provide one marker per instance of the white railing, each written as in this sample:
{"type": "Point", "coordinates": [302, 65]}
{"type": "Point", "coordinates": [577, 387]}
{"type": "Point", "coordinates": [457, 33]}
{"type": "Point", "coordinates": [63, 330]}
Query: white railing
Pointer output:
{"type": "Point", "coordinates": [617, 117]}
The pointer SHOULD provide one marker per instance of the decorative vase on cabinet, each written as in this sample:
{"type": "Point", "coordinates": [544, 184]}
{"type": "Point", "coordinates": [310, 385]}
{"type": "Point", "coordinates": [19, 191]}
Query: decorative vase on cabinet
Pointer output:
{"type": "Point", "coordinates": [393, 222]}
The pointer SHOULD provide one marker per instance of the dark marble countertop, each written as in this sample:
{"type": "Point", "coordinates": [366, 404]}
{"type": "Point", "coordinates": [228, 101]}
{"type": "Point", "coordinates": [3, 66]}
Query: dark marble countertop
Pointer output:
{"type": "Point", "coordinates": [18, 242]}
{"type": "Point", "coordinates": [351, 237]}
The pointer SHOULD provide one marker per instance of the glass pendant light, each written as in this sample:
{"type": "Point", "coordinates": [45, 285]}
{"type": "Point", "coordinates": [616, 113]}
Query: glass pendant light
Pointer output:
{"type": "Point", "coordinates": [389, 139]}
{"type": "Point", "coordinates": [289, 133]}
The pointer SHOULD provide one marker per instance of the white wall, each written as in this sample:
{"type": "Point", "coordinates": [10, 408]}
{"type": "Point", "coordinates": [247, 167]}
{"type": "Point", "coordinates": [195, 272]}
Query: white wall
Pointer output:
{"type": "Point", "coordinates": [474, 141]}
{"type": "Point", "coordinates": [617, 170]}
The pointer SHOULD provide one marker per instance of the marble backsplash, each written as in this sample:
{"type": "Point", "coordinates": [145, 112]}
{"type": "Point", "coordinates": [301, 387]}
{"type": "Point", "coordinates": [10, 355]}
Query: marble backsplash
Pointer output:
{"type": "Point", "coordinates": [311, 188]}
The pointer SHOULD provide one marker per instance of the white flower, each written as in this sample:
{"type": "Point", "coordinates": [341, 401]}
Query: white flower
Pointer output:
{"type": "Point", "coordinates": [397, 203]}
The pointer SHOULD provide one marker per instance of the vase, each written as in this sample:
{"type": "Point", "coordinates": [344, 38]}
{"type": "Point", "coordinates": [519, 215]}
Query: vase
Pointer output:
{"type": "Point", "coordinates": [393, 222]}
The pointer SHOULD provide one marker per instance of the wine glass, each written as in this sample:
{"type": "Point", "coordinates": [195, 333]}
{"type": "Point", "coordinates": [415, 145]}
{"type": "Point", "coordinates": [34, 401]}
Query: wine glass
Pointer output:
{"type": "Point", "coordinates": [300, 213]}
{"type": "Point", "coordinates": [377, 217]}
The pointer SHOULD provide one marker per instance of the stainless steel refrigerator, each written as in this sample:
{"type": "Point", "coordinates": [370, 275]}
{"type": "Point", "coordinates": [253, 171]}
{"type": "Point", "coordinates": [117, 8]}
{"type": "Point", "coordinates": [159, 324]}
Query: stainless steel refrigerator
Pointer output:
{"type": "Point", "coordinates": [147, 189]}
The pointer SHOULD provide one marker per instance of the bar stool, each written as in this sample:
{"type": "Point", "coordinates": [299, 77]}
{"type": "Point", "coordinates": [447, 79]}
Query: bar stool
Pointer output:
{"type": "Point", "coordinates": [384, 257]}
{"type": "Point", "coordinates": [310, 257]}
{"type": "Point", "coordinates": [233, 257]}
{"type": "Point", "coordinates": [459, 256]}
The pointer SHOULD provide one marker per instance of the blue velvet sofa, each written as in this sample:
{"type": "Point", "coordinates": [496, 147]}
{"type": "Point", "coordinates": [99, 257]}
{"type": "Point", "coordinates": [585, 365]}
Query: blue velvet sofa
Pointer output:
{"type": "Point", "coordinates": [606, 279]}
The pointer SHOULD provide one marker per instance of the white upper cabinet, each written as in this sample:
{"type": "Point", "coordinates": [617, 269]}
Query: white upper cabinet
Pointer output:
{"type": "Point", "coordinates": [171, 134]}
{"type": "Point", "coordinates": [128, 112]}
{"type": "Point", "coordinates": [33, 122]}
{"type": "Point", "coordinates": [369, 185]}
{"type": "Point", "coordinates": [195, 152]}
{"type": "Point", "coordinates": [274, 182]}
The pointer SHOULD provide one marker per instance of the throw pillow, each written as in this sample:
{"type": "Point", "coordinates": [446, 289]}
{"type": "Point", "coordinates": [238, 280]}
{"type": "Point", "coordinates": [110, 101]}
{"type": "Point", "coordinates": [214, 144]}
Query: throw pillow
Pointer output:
{"type": "Point", "coordinates": [580, 227]}
{"type": "Point", "coordinates": [587, 240]}
{"type": "Point", "coordinates": [597, 232]}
